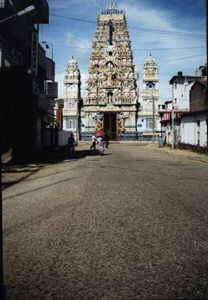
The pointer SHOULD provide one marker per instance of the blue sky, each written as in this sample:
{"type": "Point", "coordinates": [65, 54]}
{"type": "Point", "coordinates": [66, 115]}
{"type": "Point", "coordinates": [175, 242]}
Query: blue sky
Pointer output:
{"type": "Point", "coordinates": [172, 30]}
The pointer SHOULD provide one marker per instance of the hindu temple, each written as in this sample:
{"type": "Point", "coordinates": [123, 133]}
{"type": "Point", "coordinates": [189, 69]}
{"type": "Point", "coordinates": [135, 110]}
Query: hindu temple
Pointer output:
{"type": "Point", "coordinates": [111, 101]}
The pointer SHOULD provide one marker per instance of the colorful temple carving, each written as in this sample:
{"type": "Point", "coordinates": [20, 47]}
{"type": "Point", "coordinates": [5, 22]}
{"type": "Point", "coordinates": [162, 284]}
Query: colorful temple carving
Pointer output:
{"type": "Point", "coordinates": [111, 97]}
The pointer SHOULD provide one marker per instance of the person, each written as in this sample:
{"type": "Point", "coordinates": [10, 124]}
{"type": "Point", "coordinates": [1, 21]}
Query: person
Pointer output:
{"type": "Point", "coordinates": [101, 147]}
{"type": "Point", "coordinates": [71, 144]}
{"type": "Point", "coordinates": [94, 142]}
{"type": "Point", "coordinates": [106, 141]}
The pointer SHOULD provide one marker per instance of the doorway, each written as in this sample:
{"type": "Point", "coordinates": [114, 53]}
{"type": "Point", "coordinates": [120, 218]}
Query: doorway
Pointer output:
{"type": "Point", "coordinates": [110, 125]}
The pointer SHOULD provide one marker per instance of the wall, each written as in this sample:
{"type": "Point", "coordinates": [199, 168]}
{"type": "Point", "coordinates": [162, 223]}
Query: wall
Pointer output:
{"type": "Point", "coordinates": [198, 99]}
{"type": "Point", "coordinates": [180, 92]}
{"type": "Point", "coordinates": [193, 132]}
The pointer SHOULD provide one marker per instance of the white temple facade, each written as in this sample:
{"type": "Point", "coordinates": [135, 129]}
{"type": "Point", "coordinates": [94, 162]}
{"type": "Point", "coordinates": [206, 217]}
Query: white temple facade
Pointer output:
{"type": "Point", "coordinates": [72, 98]}
{"type": "Point", "coordinates": [148, 119]}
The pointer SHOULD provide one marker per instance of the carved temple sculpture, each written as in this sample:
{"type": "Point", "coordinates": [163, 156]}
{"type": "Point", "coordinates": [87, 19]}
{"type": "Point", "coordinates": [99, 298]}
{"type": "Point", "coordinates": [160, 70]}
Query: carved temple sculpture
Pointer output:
{"type": "Point", "coordinates": [111, 90]}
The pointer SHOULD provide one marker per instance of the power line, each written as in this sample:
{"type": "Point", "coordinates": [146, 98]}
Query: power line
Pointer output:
{"type": "Point", "coordinates": [186, 57]}
{"type": "Point", "coordinates": [159, 49]}
{"type": "Point", "coordinates": [73, 19]}
{"type": "Point", "coordinates": [143, 49]}
{"type": "Point", "coordinates": [134, 28]}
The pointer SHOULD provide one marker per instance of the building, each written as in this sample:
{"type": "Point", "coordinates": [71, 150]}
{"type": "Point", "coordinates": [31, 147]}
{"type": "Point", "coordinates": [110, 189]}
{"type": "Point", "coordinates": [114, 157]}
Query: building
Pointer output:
{"type": "Point", "coordinates": [179, 116]}
{"type": "Point", "coordinates": [181, 85]}
{"type": "Point", "coordinates": [72, 99]}
{"type": "Point", "coordinates": [170, 118]}
{"type": "Point", "coordinates": [148, 119]}
{"type": "Point", "coordinates": [194, 125]}
{"type": "Point", "coordinates": [202, 71]}
{"type": "Point", "coordinates": [25, 68]}
{"type": "Point", "coordinates": [111, 101]}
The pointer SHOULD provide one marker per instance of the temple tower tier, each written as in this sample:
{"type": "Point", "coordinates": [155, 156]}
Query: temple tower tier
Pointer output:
{"type": "Point", "coordinates": [110, 103]}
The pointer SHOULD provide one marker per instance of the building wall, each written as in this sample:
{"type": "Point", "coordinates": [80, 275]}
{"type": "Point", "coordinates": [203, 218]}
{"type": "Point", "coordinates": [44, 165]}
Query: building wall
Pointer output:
{"type": "Point", "coordinates": [198, 100]}
{"type": "Point", "coordinates": [180, 92]}
{"type": "Point", "coordinates": [194, 130]}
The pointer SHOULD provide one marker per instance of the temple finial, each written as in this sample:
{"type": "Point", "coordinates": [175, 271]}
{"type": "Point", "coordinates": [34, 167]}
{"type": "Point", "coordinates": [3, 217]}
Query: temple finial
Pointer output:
{"type": "Point", "coordinates": [113, 5]}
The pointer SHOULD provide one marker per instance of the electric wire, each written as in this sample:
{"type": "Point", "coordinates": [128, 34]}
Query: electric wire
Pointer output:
{"type": "Point", "coordinates": [130, 27]}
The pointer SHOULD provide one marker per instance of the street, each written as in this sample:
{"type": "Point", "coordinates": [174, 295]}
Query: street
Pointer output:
{"type": "Point", "coordinates": [131, 224]}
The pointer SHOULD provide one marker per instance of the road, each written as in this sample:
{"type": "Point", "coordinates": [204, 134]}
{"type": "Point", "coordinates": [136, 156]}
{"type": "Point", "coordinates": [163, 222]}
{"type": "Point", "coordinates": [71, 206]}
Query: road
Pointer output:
{"type": "Point", "coordinates": [128, 225]}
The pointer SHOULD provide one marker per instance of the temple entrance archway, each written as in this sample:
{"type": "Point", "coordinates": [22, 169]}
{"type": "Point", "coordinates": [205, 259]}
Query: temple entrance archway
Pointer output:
{"type": "Point", "coordinates": [110, 124]}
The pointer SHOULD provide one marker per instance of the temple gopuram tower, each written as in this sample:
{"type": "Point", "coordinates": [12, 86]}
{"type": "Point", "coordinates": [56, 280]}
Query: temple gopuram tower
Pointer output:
{"type": "Point", "coordinates": [111, 99]}
{"type": "Point", "coordinates": [148, 120]}
{"type": "Point", "coordinates": [72, 98]}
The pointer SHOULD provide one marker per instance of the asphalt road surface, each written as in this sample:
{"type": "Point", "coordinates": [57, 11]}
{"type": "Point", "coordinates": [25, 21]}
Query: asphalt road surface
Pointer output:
{"type": "Point", "coordinates": [128, 225]}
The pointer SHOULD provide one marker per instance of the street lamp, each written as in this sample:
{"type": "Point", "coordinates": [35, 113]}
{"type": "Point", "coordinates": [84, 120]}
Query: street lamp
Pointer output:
{"type": "Point", "coordinates": [19, 13]}
{"type": "Point", "coordinates": [48, 47]}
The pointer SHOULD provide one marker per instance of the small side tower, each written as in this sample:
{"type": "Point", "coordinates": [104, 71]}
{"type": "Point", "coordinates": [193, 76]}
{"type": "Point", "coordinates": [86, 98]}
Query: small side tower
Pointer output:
{"type": "Point", "coordinates": [148, 121]}
{"type": "Point", "coordinates": [72, 98]}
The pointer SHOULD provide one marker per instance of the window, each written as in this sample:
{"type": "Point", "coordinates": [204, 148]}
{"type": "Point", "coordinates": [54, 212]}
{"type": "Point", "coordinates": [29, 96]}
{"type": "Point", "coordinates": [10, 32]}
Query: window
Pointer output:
{"type": "Point", "coordinates": [67, 123]}
{"type": "Point", "coordinates": [149, 123]}
{"type": "Point", "coordinates": [110, 65]}
{"type": "Point", "coordinates": [110, 97]}
{"type": "Point", "coordinates": [70, 123]}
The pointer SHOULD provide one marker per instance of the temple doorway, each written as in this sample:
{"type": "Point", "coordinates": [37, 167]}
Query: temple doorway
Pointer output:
{"type": "Point", "coordinates": [110, 124]}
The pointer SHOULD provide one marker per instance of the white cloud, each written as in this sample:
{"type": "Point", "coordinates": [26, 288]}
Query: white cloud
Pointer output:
{"type": "Point", "coordinates": [82, 44]}
{"type": "Point", "coordinates": [149, 18]}
{"type": "Point", "coordinates": [141, 20]}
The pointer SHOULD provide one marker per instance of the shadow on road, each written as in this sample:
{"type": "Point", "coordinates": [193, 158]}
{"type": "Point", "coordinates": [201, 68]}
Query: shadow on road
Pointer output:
{"type": "Point", "coordinates": [14, 172]}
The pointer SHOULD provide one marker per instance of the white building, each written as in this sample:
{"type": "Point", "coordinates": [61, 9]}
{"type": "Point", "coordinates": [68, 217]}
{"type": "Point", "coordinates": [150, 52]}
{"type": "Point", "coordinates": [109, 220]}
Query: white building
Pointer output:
{"type": "Point", "coordinates": [181, 85]}
{"type": "Point", "coordinates": [194, 125]}
{"type": "Point", "coordinates": [72, 99]}
{"type": "Point", "coordinates": [194, 129]}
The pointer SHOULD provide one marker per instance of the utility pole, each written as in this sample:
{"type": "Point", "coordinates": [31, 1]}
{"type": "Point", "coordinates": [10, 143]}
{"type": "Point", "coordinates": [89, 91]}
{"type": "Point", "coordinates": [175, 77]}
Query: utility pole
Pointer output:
{"type": "Point", "coordinates": [206, 11]}
{"type": "Point", "coordinates": [172, 126]}
{"type": "Point", "coordinates": [153, 117]}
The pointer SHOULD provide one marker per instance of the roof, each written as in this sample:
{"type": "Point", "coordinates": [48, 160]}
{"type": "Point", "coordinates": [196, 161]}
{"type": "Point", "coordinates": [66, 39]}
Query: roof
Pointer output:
{"type": "Point", "coordinates": [202, 82]}
{"type": "Point", "coordinates": [187, 77]}
{"type": "Point", "coordinates": [175, 111]}
{"type": "Point", "coordinates": [196, 112]}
